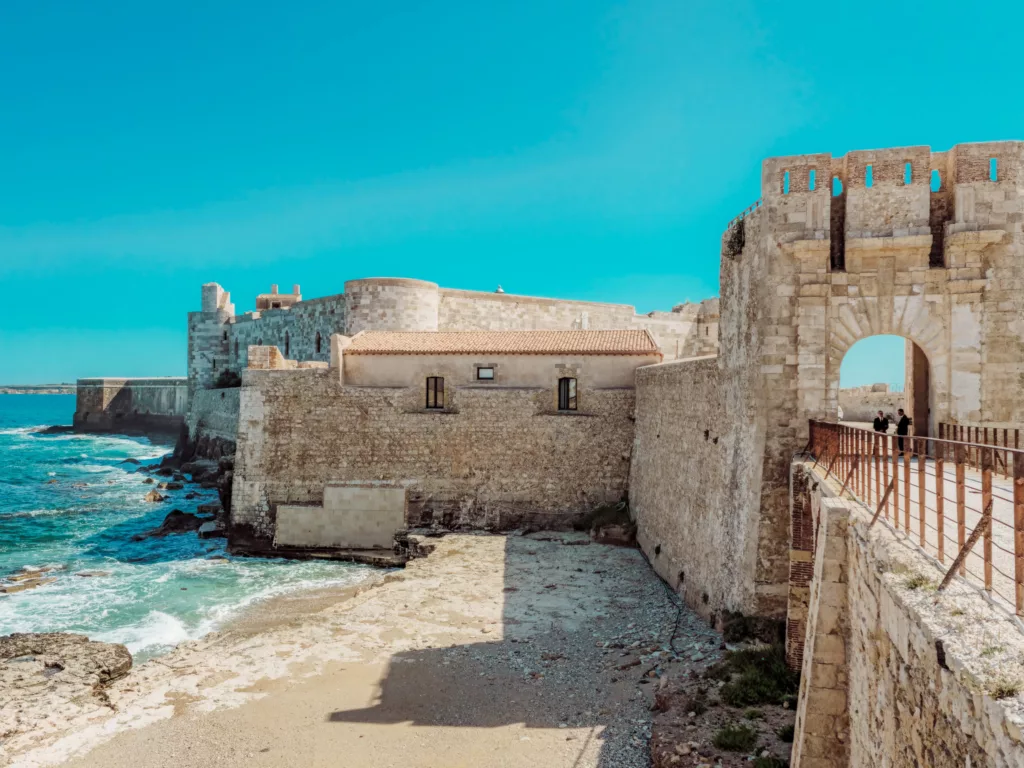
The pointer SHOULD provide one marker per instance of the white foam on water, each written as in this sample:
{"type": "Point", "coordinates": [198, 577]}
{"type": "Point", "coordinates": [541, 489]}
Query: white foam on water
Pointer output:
{"type": "Point", "coordinates": [157, 631]}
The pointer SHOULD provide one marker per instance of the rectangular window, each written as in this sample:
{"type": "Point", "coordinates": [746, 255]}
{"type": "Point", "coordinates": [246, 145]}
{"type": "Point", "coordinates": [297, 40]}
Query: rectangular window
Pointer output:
{"type": "Point", "coordinates": [485, 374]}
{"type": "Point", "coordinates": [435, 392]}
{"type": "Point", "coordinates": [567, 394]}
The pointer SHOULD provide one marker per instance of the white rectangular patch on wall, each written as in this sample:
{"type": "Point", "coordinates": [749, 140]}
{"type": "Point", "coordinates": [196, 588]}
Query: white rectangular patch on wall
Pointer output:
{"type": "Point", "coordinates": [353, 516]}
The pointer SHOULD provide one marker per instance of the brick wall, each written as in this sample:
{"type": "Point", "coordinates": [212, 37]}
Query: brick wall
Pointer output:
{"type": "Point", "coordinates": [493, 458]}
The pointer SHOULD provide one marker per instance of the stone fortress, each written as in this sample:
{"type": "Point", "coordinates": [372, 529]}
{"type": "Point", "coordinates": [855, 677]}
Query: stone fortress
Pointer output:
{"type": "Point", "coordinates": [701, 441]}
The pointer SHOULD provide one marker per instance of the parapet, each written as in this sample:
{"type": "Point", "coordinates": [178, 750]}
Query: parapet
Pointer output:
{"type": "Point", "coordinates": [895, 192]}
{"type": "Point", "coordinates": [277, 300]}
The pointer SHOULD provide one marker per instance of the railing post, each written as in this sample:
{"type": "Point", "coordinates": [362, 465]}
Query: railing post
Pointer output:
{"type": "Point", "coordinates": [986, 503]}
{"type": "Point", "coordinates": [895, 483]}
{"type": "Point", "coordinates": [878, 483]}
{"type": "Point", "coordinates": [922, 450]}
{"type": "Point", "coordinates": [940, 500]}
{"type": "Point", "coordinates": [905, 455]}
{"type": "Point", "coordinates": [1018, 527]}
{"type": "Point", "coordinates": [961, 501]}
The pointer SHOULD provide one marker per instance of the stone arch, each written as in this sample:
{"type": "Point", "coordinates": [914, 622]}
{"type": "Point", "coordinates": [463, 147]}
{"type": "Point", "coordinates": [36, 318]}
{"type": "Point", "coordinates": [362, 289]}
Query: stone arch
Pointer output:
{"type": "Point", "coordinates": [911, 317]}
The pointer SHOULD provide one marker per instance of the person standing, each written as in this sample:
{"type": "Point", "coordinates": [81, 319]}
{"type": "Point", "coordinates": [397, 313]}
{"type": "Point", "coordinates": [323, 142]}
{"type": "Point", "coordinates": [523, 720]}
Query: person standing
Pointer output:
{"type": "Point", "coordinates": [902, 428]}
{"type": "Point", "coordinates": [881, 423]}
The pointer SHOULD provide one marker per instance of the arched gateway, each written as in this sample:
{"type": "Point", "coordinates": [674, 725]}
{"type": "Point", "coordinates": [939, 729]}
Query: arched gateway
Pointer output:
{"type": "Point", "coordinates": [806, 272]}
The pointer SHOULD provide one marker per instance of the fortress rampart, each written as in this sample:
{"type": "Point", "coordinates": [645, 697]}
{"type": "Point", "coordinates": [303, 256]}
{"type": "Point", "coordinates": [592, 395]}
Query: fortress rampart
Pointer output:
{"type": "Point", "coordinates": [924, 245]}
{"type": "Point", "coordinates": [219, 339]}
{"type": "Point", "coordinates": [131, 406]}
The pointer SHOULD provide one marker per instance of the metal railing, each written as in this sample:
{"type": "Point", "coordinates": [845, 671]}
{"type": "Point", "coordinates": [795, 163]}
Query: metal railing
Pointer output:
{"type": "Point", "coordinates": [1005, 438]}
{"type": "Point", "coordinates": [943, 494]}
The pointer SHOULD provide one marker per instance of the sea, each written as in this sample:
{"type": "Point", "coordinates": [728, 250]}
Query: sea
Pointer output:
{"type": "Point", "coordinates": [70, 502]}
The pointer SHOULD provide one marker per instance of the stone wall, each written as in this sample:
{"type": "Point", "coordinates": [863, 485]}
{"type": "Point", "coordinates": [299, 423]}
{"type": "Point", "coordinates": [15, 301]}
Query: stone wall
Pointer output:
{"type": "Point", "coordinates": [894, 673]}
{"type": "Point", "coordinates": [214, 414]}
{"type": "Point", "coordinates": [131, 406]}
{"type": "Point", "coordinates": [864, 403]}
{"type": "Point", "coordinates": [492, 458]}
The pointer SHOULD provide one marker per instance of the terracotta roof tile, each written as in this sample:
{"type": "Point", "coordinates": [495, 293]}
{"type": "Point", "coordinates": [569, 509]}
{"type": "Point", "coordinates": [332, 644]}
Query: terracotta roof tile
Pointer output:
{"type": "Point", "coordinates": [633, 342]}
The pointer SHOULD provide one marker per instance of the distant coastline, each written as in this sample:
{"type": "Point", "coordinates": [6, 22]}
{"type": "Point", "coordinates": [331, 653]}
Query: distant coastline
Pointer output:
{"type": "Point", "coordinates": [37, 389]}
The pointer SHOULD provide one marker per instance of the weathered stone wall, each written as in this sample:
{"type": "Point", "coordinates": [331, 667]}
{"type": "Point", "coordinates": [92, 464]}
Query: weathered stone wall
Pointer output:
{"type": "Point", "coordinates": [864, 403]}
{"type": "Point", "coordinates": [493, 458]}
{"type": "Point", "coordinates": [214, 413]}
{"type": "Point", "coordinates": [893, 672]}
{"type": "Point", "coordinates": [688, 538]}
{"type": "Point", "coordinates": [131, 406]}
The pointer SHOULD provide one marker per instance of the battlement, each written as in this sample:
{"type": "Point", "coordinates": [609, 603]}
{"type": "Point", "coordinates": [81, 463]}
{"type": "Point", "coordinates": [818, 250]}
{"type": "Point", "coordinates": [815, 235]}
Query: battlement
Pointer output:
{"type": "Point", "coordinates": [277, 300]}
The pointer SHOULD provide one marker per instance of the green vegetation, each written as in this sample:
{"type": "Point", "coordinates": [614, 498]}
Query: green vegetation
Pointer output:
{"type": "Point", "coordinates": [1004, 688]}
{"type": "Point", "coordinates": [736, 738]}
{"type": "Point", "coordinates": [697, 703]}
{"type": "Point", "coordinates": [755, 676]}
{"type": "Point", "coordinates": [753, 714]}
{"type": "Point", "coordinates": [991, 650]}
{"type": "Point", "coordinates": [228, 379]}
{"type": "Point", "coordinates": [785, 733]}
{"type": "Point", "coordinates": [917, 581]}
{"type": "Point", "coordinates": [770, 762]}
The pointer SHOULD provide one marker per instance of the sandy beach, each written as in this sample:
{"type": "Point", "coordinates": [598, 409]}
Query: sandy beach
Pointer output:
{"type": "Point", "coordinates": [540, 650]}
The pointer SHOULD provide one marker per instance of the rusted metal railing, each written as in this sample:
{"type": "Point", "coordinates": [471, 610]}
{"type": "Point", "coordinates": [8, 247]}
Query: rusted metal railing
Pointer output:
{"type": "Point", "coordinates": [960, 501]}
{"type": "Point", "coordinates": [1004, 438]}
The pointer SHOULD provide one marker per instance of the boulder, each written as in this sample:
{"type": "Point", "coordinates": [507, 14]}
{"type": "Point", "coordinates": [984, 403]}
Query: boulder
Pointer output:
{"type": "Point", "coordinates": [164, 472]}
{"type": "Point", "coordinates": [129, 461]}
{"type": "Point", "coordinates": [32, 665]}
{"type": "Point", "coordinates": [212, 529]}
{"type": "Point", "coordinates": [173, 485]}
{"type": "Point", "coordinates": [21, 586]}
{"type": "Point", "coordinates": [176, 522]}
{"type": "Point", "coordinates": [191, 495]}
{"type": "Point", "coordinates": [148, 481]}
{"type": "Point", "coordinates": [154, 496]}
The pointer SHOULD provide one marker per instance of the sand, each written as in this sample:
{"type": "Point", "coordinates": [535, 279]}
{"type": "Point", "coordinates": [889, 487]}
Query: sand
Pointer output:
{"type": "Point", "coordinates": [493, 651]}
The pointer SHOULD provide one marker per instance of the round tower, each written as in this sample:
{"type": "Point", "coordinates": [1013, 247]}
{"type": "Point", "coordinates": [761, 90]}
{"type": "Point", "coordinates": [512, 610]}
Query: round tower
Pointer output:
{"type": "Point", "coordinates": [390, 304]}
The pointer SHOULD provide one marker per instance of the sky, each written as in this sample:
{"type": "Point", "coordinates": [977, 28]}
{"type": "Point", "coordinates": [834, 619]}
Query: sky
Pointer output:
{"type": "Point", "coordinates": [583, 149]}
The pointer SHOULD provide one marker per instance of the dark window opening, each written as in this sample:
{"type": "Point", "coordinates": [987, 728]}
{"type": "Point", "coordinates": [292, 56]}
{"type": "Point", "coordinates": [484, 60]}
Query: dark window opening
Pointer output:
{"type": "Point", "coordinates": [287, 344]}
{"type": "Point", "coordinates": [318, 342]}
{"type": "Point", "coordinates": [259, 342]}
{"type": "Point", "coordinates": [225, 335]}
{"type": "Point", "coordinates": [275, 305]}
{"type": "Point", "coordinates": [485, 374]}
{"type": "Point", "coordinates": [567, 394]}
{"type": "Point", "coordinates": [435, 392]}
{"type": "Point", "coordinates": [215, 365]}
{"type": "Point", "coordinates": [236, 347]}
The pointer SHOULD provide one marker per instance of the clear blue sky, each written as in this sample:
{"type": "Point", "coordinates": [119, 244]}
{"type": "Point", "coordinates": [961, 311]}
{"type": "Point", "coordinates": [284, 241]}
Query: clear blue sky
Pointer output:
{"type": "Point", "coordinates": [578, 148]}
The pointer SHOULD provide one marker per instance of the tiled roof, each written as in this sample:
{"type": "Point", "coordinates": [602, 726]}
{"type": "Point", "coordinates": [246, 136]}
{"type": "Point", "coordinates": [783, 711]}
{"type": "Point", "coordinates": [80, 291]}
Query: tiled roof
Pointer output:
{"type": "Point", "coordinates": [638, 342]}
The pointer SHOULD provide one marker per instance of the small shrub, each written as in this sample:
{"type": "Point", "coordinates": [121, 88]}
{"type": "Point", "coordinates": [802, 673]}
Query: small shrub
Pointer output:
{"type": "Point", "coordinates": [991, 650]}
{"type": "Point", "coordinates": [755, 676]}
{"type": "Point", "coordinates": [770, 762]}
{"type": "Point", "coordinates": [736, 738]}
{"type": "Point", "coordinates": [1004, 689]}
{"type": "Point", "coordinates": [753, 714]}
{"type": "Point", "coordinates": [785, 733]}
{"type": "Point", "coordinates": [228, 379]}
{"type": "Point", "coordinates": [919, 581]}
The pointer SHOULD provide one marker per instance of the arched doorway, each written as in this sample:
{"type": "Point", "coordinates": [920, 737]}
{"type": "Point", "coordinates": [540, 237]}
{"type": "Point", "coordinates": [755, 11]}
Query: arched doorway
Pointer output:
{"type": "Point", "coordinates": [885, 372]}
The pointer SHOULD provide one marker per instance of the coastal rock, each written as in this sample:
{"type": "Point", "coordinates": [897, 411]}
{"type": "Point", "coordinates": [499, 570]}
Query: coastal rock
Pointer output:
{"type": "Point", "coordinates": [45, 673]}
{"type": "Point", "coordinates": [21, 586]}
{"type": "Point", "coordinates": [58, 429]}
{"type": "Point", "coordinates": [212, 529]}
{"type": "Point", "coordinates": [92, 574]}
{"type": "Point", "coordinates": [129, 461]}
{"type": "Point", "coordinates": [164, 472]}
{"type": "Point", "coordinates": [176, 522]}
{"type": "Point", "coordinates": [209, 509]}
{"type": "Point", "coordinates": [148, 481]}
{"type": "Point", "coordinates": [154, 496]}
{"type": "Point", "coordinates": [174, 485]}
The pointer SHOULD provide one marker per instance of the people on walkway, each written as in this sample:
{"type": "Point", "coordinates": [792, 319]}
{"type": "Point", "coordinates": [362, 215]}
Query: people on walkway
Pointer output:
{"type": "Point", "coordinates": [881, 423]}
{"type": "Point", "coordinates": [902, 428]}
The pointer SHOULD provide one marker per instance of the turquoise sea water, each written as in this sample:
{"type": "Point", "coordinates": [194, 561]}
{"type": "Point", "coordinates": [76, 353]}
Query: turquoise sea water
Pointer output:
{"type": "Point", "coordinates": [67, 501]}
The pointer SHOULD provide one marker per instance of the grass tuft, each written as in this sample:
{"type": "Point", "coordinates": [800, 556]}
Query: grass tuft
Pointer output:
{"type": "Point", "coordinates": [1005, 688]}
{"type": "Point", "coordinates": [785, 733]}
{"type": "Point", "coordinates": [770, 762]}
{"type": "Point", "coordinates": [736, 738]}
{"type": "Point", "coordinates": [755, 676]}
